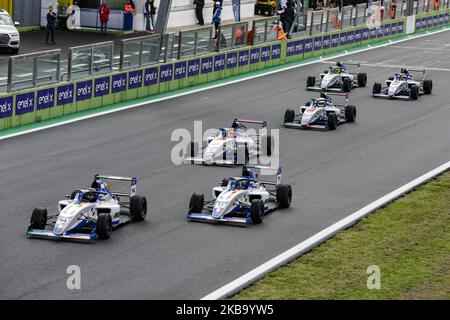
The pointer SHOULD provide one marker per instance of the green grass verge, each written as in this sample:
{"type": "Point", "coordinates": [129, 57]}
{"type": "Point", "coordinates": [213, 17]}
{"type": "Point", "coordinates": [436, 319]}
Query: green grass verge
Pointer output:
{"type": "Point", "coordinates": [409, 240]}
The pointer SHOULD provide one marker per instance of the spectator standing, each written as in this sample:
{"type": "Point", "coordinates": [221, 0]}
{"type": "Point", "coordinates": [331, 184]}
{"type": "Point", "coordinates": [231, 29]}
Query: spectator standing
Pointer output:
{"type": "Point", "coordinates": [130, 7]}
{"type": "Point", "coordinates": [199, 5]}
{"type": "Point", "coordinates": [104, 11]}
{"type": "Point", "coordinates": [288, 17]}
{"type": "Point", "coordinates": [217, 18]}
{"type": "Point", "coordinates": [150, 12]}
{"type": "Point", "coordinates": [51, 23]}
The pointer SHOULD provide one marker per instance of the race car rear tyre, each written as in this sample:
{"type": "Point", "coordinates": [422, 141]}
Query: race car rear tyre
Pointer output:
{"type": "Point", "coordinates": [104, 225]}
{"type": "Point", "coordinates": [376, 88]}
{"type": "Point", "coordinates": [257, 211]}
{"type": "Point", "coordinates": [350, 113]}
{"type": "Point", "coordinates": [284, 195]}
{"type": "Point", "coordinates": [138, 208]}
{"type": "Point", "coordinates": [332, 121]}
{"type": "Point", "coordinates": [414, 93]}
{"type": "Point", "coordinates": [311, 81]}
{"type": "Point", "coordinates": [38, 219]}
{"type": "Point", "coordinates": [362, 79]}
{"type": "Point", "coordinates": [196, 203]}
{"type": "Point", "coordinates": [427, 86]}
{"type": "Point", "coordinates": [346, 85]}
{"type": "Point", "coordinates": [289, 115]}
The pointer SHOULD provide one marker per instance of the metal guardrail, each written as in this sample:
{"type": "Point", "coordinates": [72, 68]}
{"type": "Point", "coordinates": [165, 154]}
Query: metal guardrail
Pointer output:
{"type": "Point", "coordinates": [263, 30]}
{"type": "Point", "coordinates": [90, 59]}
{"type": "Point", "coordinates": [195, 42]}
{"type": "Point", "coordinates": [140, 51]}
{"type": "Point", "coordinates": [230, 36]}
{"type": "Point", "coordinates": [33, 69]}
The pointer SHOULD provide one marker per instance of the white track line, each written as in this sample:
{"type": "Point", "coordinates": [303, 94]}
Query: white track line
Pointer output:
{"type": "Point", "coordinates": [218, 85]}
{"type": "Point", "coordinates": [305, 246]}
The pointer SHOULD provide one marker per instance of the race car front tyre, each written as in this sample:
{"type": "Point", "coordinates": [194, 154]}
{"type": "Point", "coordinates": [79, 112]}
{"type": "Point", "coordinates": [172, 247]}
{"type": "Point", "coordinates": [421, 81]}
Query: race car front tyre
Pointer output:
{"type": "Point", "coordinates": [346, 85]}
{"type": "Point", "coordinates": [289, 115]}
{"type": "Point", "coordinates": [138, 208]}
{"type": "Point", "coordinates": [362, 79]}
{"type": "Point", "coordinates": [284, 195]}
{"type": "Point", "coordinates": [414, 93]}
{"type": "Point", "coordinates": [350, 113]}
{"type": "Point", "coordinates": [257, 211]}
{"type": "Point", "coordinates": [311, 81]}
{"type": "Point", "coordinates": [332, 121]}
{"type": "Point", "coordinates": [427, 86]}
{"type": "Point", "coordinates": [104, 225]}
{"type": "Point", "coordinates": [196, 203]}
{"type": "Point", "coordinates": [38, 219]}
{"type": "Point", "coordinates": [376, 88]}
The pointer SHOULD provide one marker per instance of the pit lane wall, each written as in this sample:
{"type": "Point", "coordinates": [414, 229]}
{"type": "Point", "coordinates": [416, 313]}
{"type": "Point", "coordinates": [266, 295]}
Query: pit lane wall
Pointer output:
{"type": "Point", "coordinates": [49, 102]}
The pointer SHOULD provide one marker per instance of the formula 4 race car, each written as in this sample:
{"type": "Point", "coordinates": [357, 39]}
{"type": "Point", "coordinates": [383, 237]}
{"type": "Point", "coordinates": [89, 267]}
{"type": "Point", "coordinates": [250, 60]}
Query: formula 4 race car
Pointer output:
{"type": "Point", "coordinates": [233, 146]}
{"type": "Point", "coordinates": [90, 213]}
{"type": "Point", "coordinates": [338, 79]}
{"type": "Point", "coordinates": [321, 113]}
{"type": "Point", "coordinates": [403, 86]}
{"type": "Point", "coordinates": [242, 200]}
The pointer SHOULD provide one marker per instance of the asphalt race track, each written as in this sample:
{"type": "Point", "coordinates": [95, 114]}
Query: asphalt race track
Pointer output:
{"type": "Point", "coordinates": [332, 174]}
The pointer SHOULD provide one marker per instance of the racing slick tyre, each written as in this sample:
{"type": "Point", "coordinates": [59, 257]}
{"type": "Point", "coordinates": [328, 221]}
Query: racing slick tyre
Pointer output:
{"type": "Point", "coordinates": [311, 81]}
{"type": "Point", "coordinates": [332, 121]}
{"type": "Point", "coordinates": [38, 219]}
{"type": "Point", "coordinates": [196, 203]}
{"type": "Point", "coordinates": [346, 85]}
{"type": "Point", "coordinates": [362, 79]}
{"type": "Point", "coordinates": [376, 88]}
{"type": "Point", "coordinates": [284, 195]}
{"type": "Point", "coordinates": [104, 225]}
{"type": "Point", "coordinates": [138, 208]}
{"type": "Point", "coordinates": [427, 86]}
{"type": "Point", "coordinates": [350, 113]}
{"type": "Point", "coordinates": [414, 93]}
{"type": "Point", "coordinates": [257, 211]}
{"type": "Point", "coordinates": [289, 115]}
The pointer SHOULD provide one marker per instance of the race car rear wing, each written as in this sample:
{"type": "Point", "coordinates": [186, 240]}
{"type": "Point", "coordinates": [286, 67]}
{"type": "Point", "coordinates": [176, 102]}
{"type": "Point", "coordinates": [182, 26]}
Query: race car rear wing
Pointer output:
{"type": "Point", "coordinates": [417, 70]}
{"type": "Point", "coordinates": [132, 180]}
{"type": "Point", "coordinates": [261, 122]}
{"type": "Point", "coordinates": [256, 171]}
{"type": "Point", "coordinates": [346, 97]}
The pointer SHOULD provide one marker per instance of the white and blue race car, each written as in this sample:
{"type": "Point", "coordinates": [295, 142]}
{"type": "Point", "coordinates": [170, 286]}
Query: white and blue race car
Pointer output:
{"type": "Point", "coordinates": [233, 146]}
{"type": "Point", "coordinates": [90, 213]}
{"type": "Point", "coordinates": [338, 79]}
{"type": "Point", "coordinates": [242, 200]}
{"type": "Point", "coordinates": [321, 113]}
{"type": "Point", "coordinates": [403, 85]}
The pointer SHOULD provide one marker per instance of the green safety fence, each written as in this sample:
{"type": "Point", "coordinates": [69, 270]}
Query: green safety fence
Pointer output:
{"type": "Point", "coordinates": [48, 102]}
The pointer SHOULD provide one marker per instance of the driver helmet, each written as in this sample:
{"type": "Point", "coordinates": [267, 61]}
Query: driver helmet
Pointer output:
{"type": "Point", "coordinates": [321, 102]}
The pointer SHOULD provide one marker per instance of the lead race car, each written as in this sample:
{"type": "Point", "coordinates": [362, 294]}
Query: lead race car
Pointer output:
{"type": "Point", "coordinates": [233, 146]}
{"type": "Point", "coordinates": [338, 79]}
{"type": "Point", "coordinates": [321, 113]}
{"type": "Point", "coordinates": [90, 213]}
{"type": "Point", "coordinates": [242, 200]}
{"type": "Point", "coordinates": [403, 85]}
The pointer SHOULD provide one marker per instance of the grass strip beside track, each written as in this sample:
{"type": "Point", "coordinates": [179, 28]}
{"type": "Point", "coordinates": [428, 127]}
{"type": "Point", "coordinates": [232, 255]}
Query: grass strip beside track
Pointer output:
{"type": "Point", "coordinates": [409, 240]}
